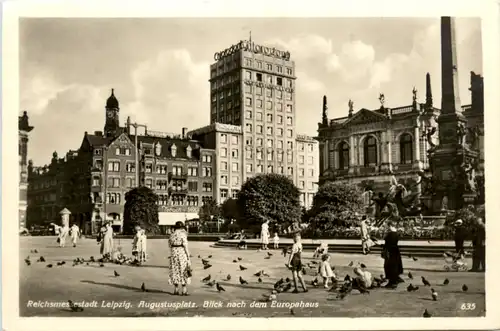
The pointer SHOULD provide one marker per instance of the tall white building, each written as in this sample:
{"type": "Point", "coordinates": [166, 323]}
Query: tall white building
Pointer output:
{"type": "Point", "coordinates": [253, 121]}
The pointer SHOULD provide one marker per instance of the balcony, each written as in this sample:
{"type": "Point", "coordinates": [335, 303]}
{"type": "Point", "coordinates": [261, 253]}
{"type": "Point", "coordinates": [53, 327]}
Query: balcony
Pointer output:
{"type": "Point", "coordinates": [183, 191]}
{"type": "Point", "coordinates": [182, 176]}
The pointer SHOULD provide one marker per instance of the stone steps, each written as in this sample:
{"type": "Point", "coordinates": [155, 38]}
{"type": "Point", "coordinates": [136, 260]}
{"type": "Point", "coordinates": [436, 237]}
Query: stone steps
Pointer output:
{"type": "Point", "coordinates": [414, 250]}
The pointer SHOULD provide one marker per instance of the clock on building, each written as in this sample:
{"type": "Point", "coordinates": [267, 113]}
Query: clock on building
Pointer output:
{"type": "Point", "coordinates": [109, 113]}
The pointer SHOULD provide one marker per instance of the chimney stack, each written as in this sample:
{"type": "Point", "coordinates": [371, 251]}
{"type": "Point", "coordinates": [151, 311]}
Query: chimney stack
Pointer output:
{"type": "Point", "coordinates": [184, 131]}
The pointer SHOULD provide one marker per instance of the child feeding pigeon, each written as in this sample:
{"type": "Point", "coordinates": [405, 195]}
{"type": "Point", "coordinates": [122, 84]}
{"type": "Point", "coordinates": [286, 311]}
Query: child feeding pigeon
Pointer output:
{"type": "Point", "coordinates": [295, 264]}
{"type": "Point", "coordinates": [325, 270]}
{"type": "Point", "coordinates": [320, 250]}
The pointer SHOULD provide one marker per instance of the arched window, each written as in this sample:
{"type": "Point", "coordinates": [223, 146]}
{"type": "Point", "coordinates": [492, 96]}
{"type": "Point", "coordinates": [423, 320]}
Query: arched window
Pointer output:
{"type": "Point", "coordinates": [343, 155]}
{"type": "Point", "coordinates": [406, 149]}
{"type": "Point", "coordinates": [370, 151]}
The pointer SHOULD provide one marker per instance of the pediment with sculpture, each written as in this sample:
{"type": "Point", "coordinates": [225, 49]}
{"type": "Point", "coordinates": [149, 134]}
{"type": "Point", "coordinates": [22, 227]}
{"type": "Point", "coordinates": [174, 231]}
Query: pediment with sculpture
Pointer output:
{"type": "Point", "coordinates": [365, 116]}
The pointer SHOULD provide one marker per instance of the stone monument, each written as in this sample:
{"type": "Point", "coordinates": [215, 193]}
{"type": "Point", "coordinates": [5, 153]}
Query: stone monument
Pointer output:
{"type": "Point", "coordinates": [453, 160]}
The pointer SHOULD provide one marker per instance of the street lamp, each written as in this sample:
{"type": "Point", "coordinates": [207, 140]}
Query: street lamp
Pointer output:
{"type": "Point", "coordinates": [135, 126]}
{"type": "Point", "coordinates": [105, 181]}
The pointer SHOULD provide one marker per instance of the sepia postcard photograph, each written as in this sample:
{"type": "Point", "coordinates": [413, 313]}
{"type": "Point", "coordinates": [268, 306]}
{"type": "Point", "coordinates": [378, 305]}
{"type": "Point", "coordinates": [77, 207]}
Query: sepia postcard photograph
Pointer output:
{"type": "Point", "coordinates": [254, 165]}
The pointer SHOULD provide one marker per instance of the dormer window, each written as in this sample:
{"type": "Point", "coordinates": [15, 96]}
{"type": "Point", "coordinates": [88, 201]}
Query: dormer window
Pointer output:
{"type": "Point", "coordinates": [189, 151]}
{"type": "Point", "coordinates": [158, 149]}
{"type": "Point", "coordinates": [173, 150]}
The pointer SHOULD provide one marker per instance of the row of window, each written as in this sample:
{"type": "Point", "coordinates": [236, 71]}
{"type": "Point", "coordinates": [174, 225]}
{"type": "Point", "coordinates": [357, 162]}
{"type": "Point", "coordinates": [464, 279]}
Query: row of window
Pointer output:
{"type": "Point", "coordinates": [224, 194]}
{"type": "Point", "coordinates": [279, 156]}
{"type": "Point", "coordinates": [226, 79]}
{"type": "Point", "coordinates": [118, 151]}
{"type": "Point", "coordinates": [259, 142]}
{"type": "Point", "coordinates": [259, 129]}
{"type": "Point", "coordinates": [370, 154]}
{"type": "Point", "coordinates": [248, 102]}
{"type": "Point", "coordinates": [259, 90]}
{"type": "Point", "coordinates": [269, 66]}
{"type": "Point", "coordinates": [177, 200]}
{"type": "Point", "coordinates": [302, 185]}
{"type": "Point", "coordinates": [148, 151]}
{"type": "Point", "coordinates": [269, 104]}
{"type": "Point", "coordinates": [224, 180]}
{"type": "Point", "coordinates": [249, 168]}
{"type": "Point", "coordinates": [269, 117]}
{"type": "Point", "coordinates": [223, 139]}
{"type": "Point", "coordinates": [114, 166]}
{"type": "Point", "coordinates": [161, 184]}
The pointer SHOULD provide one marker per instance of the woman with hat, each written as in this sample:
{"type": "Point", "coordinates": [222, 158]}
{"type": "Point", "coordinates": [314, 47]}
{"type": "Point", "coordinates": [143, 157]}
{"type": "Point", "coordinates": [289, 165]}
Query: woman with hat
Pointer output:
{"type": "Point", "coordinates": [180, 262]}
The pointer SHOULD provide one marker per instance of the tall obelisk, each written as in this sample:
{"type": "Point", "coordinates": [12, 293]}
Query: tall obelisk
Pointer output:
{"type": "Point", "coordinates": [450, 157]}
{"type": "Point", "coordinates": [451, 109]}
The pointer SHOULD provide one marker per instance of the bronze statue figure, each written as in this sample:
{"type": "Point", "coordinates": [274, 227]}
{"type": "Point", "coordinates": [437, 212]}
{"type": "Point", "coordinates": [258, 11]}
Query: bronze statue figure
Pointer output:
{"type": "Point", "coordinates": [461, 132]}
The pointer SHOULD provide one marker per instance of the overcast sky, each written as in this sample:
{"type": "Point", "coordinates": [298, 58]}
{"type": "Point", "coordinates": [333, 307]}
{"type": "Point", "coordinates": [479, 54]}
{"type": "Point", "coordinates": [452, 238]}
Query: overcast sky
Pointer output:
{"type": "Point", "coordinates": [159, 68]}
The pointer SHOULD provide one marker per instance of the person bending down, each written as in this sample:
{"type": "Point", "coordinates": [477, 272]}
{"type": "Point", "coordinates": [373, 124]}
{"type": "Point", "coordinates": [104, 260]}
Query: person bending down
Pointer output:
{"type": "Point", "coordinates": [363, 280]}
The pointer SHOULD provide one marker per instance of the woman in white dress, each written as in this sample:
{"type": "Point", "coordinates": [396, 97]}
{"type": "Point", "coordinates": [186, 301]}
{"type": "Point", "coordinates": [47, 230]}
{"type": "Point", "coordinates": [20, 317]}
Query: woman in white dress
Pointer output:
{"type": "Point", "coordinates": [107, 242]}
{"type": "Point", "coordinates": [63, 233]}
{"type": "Point", "coordinates": [75, 234]}
{"type": "Point", "coordinates": [264, 234]}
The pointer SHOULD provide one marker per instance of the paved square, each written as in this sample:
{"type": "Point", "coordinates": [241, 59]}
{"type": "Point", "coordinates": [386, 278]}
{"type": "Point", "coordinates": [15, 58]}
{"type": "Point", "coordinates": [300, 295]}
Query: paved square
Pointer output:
{"type": "Point", "coordinates": [91, 283]}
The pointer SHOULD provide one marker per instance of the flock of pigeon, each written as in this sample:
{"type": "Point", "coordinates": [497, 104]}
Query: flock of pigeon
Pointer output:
{"type": "Point", "coordinates": [342, 288]}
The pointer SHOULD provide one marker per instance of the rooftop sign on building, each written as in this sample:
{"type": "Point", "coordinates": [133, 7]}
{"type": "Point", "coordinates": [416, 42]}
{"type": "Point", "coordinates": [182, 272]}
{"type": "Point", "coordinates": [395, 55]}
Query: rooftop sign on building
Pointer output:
{"type": "Point", "coordinates": [159, 134]}
{"type": "Point", "coordinates": [252, 47]}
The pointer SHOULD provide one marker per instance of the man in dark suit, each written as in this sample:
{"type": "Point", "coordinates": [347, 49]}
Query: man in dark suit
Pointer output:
{"type": "Point", "coordinates": [478, 242]}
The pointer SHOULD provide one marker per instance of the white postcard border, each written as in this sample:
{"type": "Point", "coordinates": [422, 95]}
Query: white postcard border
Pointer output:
{"type": "Point", "coordinates": [488, 10]}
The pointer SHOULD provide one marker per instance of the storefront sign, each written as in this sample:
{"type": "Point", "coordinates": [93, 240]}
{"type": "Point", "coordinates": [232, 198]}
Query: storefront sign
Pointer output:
{"type": "Point", "coordinates": [250, 46]}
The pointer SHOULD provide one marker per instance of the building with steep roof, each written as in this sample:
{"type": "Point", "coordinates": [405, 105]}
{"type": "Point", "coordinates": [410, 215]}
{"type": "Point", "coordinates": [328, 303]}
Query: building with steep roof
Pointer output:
{"type": "Point", "coordinates": [92, 182]}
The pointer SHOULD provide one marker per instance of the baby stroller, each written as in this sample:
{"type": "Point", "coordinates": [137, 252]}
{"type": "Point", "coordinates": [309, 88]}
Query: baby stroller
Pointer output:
{"type": "Point", "coordinates": [455, 262]}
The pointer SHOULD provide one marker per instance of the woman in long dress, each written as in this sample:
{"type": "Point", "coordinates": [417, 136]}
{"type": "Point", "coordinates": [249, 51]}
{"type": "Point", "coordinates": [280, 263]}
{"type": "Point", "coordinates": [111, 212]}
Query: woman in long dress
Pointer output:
{"type": "Point", "coordinates": [180, 262]}
{"type": "Point", "coordinates": [107, 242]}
{"type": "Point", "coordinates": [264, 234]}
{"type": "Point", "coordinates": [393, 265]}
{"type": "Point", "coordinates": [75, 234]}
{"type": "Point", "coordinates": [63, 233]}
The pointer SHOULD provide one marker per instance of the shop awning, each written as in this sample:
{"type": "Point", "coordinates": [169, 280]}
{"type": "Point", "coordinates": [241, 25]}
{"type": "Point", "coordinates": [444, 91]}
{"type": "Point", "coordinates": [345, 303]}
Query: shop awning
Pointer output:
{"type": "Point", "coordinates": [171, 218]}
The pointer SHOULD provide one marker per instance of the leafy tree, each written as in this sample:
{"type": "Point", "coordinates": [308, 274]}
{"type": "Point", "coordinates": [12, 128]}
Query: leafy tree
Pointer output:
{"type": "Point", "coordinates": [334, 205]}
{"type": "Point", "coordinates": [140, 209]}
{"type": "Point", "coordinates": [209, 209]}
{"type": "Point", "coordinates": [269, 196]}
{"type": "Point", "coordinates": [229, 209]}
{"type": "Point", "coordinates": [467, 214]}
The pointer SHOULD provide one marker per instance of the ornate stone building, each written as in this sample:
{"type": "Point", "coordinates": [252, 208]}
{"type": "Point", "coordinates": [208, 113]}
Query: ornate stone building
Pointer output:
{"type": "Point", "coordinates": [23, 130]}
{"type": "Point", "coordinates": [367, 145]}
{"type": "Point", "coordinates": [92, 182]}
